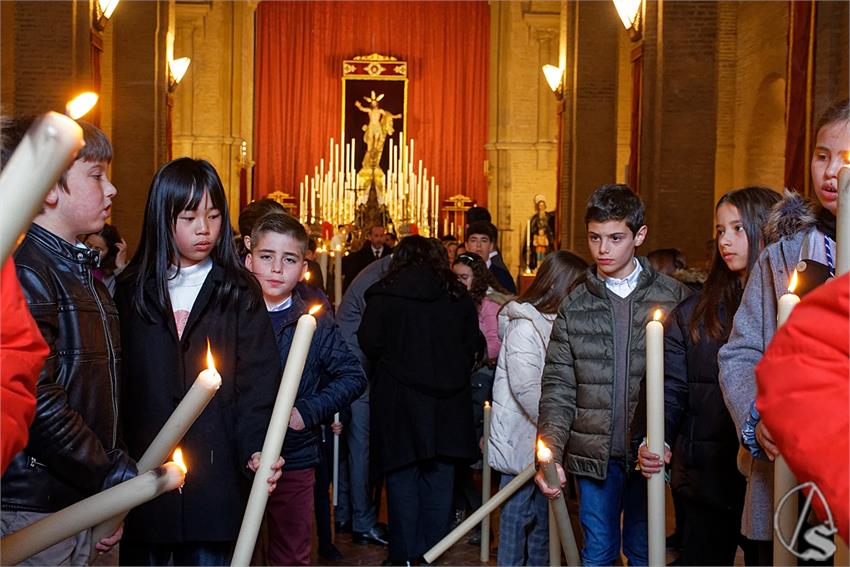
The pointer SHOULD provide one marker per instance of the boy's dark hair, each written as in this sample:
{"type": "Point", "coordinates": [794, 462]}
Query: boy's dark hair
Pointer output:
{"type": "Point", "coordinates": [486, 228]}
{"type": "Point", "coordinates": [838, 111]}
{"type": "Point", "coordinates": [448, 238]}
{"type": "Point", "coordinates": [311, 244]}
{"type": "Point", "coordinates": [253, 211]}
{"type": "Point", "coordinates": [616, 202]}
{"type": "Point", "coordinates": [97, 148]}
{"type": "Point", "coordinates": [281, 223]}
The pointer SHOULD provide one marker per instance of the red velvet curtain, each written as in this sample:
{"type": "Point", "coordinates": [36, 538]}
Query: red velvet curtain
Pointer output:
{"type": "Point", "coordinates": [300, 49]}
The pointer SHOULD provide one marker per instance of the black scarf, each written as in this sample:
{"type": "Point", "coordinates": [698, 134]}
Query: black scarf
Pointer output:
{"type": "Point", "coordinates": [826, 223]}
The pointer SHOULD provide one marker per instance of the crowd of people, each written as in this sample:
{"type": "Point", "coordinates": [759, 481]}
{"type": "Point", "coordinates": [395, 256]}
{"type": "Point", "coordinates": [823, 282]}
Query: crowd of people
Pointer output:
{"type": "Point", "coordinates": [98, 350]}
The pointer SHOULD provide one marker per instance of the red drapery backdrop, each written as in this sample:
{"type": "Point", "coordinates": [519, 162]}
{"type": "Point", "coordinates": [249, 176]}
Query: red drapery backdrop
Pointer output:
{"type": "Point", "coordinates": [300, 49]}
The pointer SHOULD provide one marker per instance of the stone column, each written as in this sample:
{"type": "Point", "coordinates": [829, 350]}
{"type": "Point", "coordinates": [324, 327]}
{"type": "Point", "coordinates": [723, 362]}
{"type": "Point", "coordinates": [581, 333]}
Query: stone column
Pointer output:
{"type": "Point", "coordinates": [678, 141]}
{"type": "Point", "coordinates": [140, 84]}
{"type": "Point", "coordinates": [589, 154]}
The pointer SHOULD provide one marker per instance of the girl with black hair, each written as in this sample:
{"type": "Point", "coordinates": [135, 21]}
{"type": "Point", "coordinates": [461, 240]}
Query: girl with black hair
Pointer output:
{"type": "Point", "coordinates": [184, 289]}
{"type": "Point", "coordinates": [420, 334]}
{"type": "Point", "coordinates": [705, 476]}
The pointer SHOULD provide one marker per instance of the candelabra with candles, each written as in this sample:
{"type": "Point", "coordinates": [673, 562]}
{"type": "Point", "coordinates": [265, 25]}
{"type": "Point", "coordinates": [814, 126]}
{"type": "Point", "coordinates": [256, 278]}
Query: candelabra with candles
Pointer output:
{"type": "Point", "coordinates": [338, 194]}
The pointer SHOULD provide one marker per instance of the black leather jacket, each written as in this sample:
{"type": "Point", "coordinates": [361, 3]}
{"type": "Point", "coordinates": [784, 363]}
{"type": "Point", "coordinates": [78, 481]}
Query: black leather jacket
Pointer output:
{"type": "Point", "coordinates": [74, 448]}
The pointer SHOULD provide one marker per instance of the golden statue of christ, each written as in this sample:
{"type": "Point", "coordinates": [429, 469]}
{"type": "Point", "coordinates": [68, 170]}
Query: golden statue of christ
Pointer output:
{"type": "Point", "coordinates": [375, 132]}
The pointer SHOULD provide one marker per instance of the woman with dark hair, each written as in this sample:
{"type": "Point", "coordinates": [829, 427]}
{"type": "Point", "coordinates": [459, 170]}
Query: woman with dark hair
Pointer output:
{"type": "Point", "coordinates": [420, 334]}
{"type": "Point", "coordinates": [525, 325]}
{"type": "Point", "coordinates": [705, 477]}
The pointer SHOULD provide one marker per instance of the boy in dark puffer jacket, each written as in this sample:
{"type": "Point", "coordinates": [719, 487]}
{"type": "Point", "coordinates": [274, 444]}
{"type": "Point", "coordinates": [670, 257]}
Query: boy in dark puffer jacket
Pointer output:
{"type": "Point", "coordinates": [593, 404]}
{"type": "Point", "coordinates": [332, 379]}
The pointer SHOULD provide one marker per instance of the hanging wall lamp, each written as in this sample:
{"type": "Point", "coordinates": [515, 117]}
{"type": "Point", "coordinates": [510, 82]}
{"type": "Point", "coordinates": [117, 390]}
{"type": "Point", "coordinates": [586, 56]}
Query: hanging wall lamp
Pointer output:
{"type": "Point", "coordinates": [176, 70]}
{"type": "Point", "coordinates": [554, 75]}
{"type": "Point", "coordinates": [103, 11]}
{"type": "Point", "coordinates": [630, 12]}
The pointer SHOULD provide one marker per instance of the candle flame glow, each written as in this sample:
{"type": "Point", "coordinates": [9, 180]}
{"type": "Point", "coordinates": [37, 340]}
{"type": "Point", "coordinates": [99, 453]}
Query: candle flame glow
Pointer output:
{"type": "Point", "coordinates": [658, 315]}
{"type": "Point", "coordinates": [315, 309]}
{"type": "Point", "coordinates": [80, 105]}
{"type": "Point", "coordinates": [540, 444]}
{"type": "Point", "coordinates": [177, 458]}
{"type": "Point", "coordinates": [210, 361]}
{"type": "Point", "coordinates": [487, 404]}
{"type": "Point", "coordinates": [793, 284]}
{"type": "Point", "coordinates": [307, 276]}
{"type": "Point", "coordinates": [544, 454]}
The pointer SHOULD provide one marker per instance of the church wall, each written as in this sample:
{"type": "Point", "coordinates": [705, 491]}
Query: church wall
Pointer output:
{"type": "Point", "coordinates": [213, 105]}
{"type": "Point", "coordinates": [522, 151]}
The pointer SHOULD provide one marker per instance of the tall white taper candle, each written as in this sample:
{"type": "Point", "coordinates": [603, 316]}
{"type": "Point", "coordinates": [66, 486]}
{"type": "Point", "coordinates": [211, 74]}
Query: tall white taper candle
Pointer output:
{"type": "Point", "coordinates": [485, 484]}
{"type": "Point", "coordinates": [842, 233]}
{"type": "Point", "coordinates": [559, 506]}
{"type": "Point", "coordinates": [655, 438]}
{"type": "Point", "coordinates": [336, 464]}
{"type": "Point", "coordinates": [783, 479]}
{"type": "Point", "coordinates": [275, 436]}
{"type": "Point", "coordinates": [78, 517]}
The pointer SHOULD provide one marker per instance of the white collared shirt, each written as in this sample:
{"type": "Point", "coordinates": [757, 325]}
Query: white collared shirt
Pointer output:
{"type": "Point", "coordinates": [376, 252]}
{"type": "Point", "coordinates": [624, 286]}
{"type": "Point", "coordinates": [285, 304]}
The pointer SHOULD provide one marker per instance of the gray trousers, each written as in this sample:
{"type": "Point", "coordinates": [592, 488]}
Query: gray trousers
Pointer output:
{"type": "Point", "coordinates": [72, 551]}
{"type": "Point", "coordinates": [363, 513]}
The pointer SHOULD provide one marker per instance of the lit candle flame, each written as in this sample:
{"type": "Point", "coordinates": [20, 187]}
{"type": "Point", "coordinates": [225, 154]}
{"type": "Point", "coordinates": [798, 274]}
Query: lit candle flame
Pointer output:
{"type": "Point", "coordinates": [544, 454]}
{"type": "Point", "coordinates": [658, 315]}
{"type": "Point", "coordinates": [793, 284]}
{"type": "Point", "coordinates": [80, 105]}
{"type": "Point", "coordinates": [306, 276]}
{"type": "Point", "coordinates": [210, 361]}
{"type": "Point", "coordinates": [487, 404]}
{"type": "Point", "coordinates": [315, 309]}
{"type": "Point", "coordinates": [177, 458]}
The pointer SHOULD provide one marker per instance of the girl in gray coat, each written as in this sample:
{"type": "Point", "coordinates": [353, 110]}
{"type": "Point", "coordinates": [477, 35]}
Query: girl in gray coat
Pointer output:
{"type": "Point", "coordinates": [524, 326]}
{"type": "Point", "coordinates": [804, 239]}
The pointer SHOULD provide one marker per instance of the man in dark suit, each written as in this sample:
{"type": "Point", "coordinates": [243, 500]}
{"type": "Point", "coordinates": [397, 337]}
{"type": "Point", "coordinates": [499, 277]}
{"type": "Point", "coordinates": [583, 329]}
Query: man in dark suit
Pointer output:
{"type": "Point", "coordinates": [373, 249]}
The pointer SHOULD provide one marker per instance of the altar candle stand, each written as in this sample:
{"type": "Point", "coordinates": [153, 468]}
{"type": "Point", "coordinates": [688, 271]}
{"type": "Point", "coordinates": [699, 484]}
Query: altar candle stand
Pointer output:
{"type": "Point", "coordinates": [191, 406]}
{"type": "Point", "coordinates": [783, 479]}
{"type": "Point", "coordinates": [274, 437]}
{"type": "Point", "coordinates": [558, 505]}
{"type": "Point", "coordinates": [46, 150]}
{"type": "Point", "coordinates": [115, 501]}
{"type": "Point", "coordinates": [655, 438]}
{"type": "Point", "coordinates": [485, 485]}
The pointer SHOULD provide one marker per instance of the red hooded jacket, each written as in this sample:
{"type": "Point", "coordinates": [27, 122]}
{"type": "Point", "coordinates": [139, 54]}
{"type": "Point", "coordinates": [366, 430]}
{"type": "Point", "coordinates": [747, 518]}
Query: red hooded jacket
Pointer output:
{"type": "Point", "coordinates": [22, 354]}
{"type": "Point", "coordinates": [804, 394]}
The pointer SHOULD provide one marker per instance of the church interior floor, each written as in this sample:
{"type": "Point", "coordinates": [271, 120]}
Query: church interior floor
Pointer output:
{"type": "Point", "coordinates": [461, 553]}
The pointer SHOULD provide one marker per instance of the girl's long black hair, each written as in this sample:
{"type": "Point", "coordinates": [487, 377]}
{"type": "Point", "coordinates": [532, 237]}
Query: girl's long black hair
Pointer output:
{"type": "Point", "coordinates": [723, 286]}
{"type": "Point", "coordinates": [180, 185]}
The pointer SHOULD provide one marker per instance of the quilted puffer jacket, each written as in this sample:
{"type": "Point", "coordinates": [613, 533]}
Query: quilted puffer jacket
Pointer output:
{"type": "Point", "coordinates": [577, 399]}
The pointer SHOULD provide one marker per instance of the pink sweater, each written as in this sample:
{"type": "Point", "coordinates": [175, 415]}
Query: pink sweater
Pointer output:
{"type": "Point", "coordinates": [488, 322]}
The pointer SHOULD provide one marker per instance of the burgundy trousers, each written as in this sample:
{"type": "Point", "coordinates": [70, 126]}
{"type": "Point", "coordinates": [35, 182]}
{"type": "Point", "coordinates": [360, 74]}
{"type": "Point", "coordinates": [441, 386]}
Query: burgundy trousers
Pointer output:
{"type": "Point", "coordinates": [290, 518]}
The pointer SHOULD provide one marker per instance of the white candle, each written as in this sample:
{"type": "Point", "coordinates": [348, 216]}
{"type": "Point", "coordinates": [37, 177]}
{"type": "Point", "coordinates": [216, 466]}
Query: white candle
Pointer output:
{"type": "Point", "coordinates": [115, 501]}
{"type": "Point", "coordinates": [485, 486]}
{"type": "Point", "coordinates": [655, 436]}
{"type": "Point", "coordinates": [336, 464]}
{"type": "Point", "coordinates": [473, 519]}
{"type": "Point", "coordinates": [558, 505]}
{"type": "Point", "coordinates": [172, 432]}
{"type": "Point", "coordinates": [323, 265]}
{"type": "Point", "coordinates": [554, 540]}
{"type": "Point", "coordinates": [275, 436]}
{"type": "Point", "coordinates": [338, 277]}
{"type": "Point", "coordinates": [783, 479]}
{"type": "Point", "coordinates": [842, 233]}
{"type": "Point", "coordinates": [46, 150]}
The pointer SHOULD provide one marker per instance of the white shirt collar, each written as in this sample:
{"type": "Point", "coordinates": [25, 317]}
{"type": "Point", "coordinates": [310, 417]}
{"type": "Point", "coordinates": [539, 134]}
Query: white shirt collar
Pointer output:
{"type": "Point", "coordinates": [624, 286]}
{"type": "Point", "coordinates": [285, 304]}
